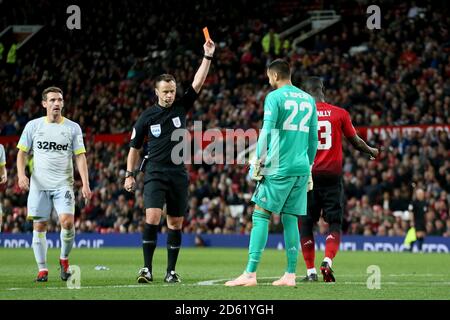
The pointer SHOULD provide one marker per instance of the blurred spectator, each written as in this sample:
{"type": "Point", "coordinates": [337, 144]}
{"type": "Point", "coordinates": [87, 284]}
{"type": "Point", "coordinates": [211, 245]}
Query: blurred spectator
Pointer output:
{"type": "Point", "coordinates": [271, 43]}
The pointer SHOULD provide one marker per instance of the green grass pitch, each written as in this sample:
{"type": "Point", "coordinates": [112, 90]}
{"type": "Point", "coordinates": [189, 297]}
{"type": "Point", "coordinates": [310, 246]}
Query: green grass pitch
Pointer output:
{"type": "Point", "coordinates": [204, 270]}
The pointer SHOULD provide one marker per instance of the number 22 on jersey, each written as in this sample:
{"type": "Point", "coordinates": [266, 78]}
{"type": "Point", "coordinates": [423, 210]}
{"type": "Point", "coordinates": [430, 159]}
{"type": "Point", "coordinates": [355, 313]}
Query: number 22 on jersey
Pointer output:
{"type": "Point", "coordinates": [295, 108]}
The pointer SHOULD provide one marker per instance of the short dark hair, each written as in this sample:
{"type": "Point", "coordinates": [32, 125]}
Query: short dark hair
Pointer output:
{"type": "Point", "coordinates": [50, 89]}
{"type": "Point", "coordinates": [281, 67]}
{"type": "Point", "coordinates": [164, 77]}
{"type": "Point", "coordinates": [314, 86]}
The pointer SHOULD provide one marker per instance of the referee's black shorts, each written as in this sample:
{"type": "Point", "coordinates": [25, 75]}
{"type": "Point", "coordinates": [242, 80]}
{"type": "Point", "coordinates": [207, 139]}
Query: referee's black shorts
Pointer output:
{"type": "Point", "coordinates": [326, 200]}
{"type": "Point", "coordinates": [166, 184]}
{"type": "Point", "coordinates": [419, 224]}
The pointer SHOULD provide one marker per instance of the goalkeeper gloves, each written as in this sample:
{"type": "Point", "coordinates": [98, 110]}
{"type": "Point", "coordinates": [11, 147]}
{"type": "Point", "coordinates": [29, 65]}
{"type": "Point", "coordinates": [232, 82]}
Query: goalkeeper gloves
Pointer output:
{"type": "Point", "coordinates": [310, 180]}
{"type": "Point", "coordinates": [255, 170]}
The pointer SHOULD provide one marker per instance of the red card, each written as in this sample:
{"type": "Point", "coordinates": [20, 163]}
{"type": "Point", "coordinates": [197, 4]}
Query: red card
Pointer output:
{"type": "Point", "coordinates": [206, 33]}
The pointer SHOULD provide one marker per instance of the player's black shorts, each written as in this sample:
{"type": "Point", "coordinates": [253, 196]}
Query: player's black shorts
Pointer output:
{"type": "Point", "coordinates": [328, 197]}
{"type": "Point", "coordinates": [165, 184]}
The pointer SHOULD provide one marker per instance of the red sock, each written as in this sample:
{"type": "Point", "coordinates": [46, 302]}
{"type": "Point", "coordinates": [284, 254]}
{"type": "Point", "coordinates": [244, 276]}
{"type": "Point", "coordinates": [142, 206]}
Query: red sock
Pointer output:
{"type": "Point", "coordinates": [332, 244]}
{"type": "Point", "coordinates": [309, 253]}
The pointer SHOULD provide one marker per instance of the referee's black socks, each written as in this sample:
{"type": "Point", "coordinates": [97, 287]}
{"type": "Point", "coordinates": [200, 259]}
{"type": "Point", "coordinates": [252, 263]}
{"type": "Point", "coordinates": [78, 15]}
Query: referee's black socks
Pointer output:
{"type": "Point", "coordinates": [419, 243]}
{"type": "Point", "coordinates": [173, 248]}
{"type": "Point", "coordinates": [149, 239]}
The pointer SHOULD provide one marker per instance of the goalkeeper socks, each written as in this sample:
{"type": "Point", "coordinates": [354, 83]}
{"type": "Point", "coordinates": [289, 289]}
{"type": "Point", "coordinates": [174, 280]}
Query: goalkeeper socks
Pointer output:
{"type": "Point", "coordinates": [149, 240]}
{"type": "Point", "coordinates": [173, 248]}
{"type": "Point", "coordinates": [291, 240]}
{"type": "Point", "coordinates": [40, 249]}
{"type": "Point", "coordinates": [332, 244]}
{"type": "Point", "coordinates": [308, 251]}
{"type": "Point", "coordinates": [67, 237]}
{"type": "Point", "coordinates": [258, 239]}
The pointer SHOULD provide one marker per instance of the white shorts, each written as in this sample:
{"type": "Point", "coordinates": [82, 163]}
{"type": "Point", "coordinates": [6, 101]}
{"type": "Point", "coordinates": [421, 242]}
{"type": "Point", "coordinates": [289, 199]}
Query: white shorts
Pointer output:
{"type": "Point", "coordinates": [41, 202]}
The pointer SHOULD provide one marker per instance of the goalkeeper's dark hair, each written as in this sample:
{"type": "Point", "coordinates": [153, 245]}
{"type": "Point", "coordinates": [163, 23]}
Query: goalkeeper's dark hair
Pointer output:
{"type": "Point", "coordinates": [314, 86]}
{"type": "Point", "coordinates": [281, 67]}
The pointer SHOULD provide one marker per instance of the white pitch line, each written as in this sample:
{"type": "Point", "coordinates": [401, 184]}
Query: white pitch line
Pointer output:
{"type": "Point", "coordinates": [416, 275]}
{"type": "Point", "coordinates": [82, 287]}
{"type": "Point", "coordinates": [217, 282]}
{"type": "Point", "coordinates": [103, 287]}
{"type": "Point", "coordinates": [400, 283]}
{"type": "Point", "coordinates": [213, 282]}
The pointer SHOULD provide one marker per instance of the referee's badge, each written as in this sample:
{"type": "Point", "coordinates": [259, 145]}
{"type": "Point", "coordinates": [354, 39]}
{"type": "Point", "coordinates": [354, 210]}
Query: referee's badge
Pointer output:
{"type": "Point", "coordinates": [176, 122]}
{"type": "Point", "coordinates": [156, 130]}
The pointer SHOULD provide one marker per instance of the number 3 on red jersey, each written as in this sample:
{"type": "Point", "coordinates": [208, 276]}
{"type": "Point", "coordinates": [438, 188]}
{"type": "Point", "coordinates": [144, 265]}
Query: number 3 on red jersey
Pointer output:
{"type": "Point", "coordinates": [324, 128]}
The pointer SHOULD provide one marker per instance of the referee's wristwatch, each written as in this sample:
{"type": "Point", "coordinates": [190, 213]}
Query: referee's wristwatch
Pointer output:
{"type": "Point", "coordinates": [129, 174]}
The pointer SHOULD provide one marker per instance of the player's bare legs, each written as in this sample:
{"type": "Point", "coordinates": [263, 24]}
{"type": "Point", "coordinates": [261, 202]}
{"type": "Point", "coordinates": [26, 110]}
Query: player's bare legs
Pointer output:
{"type": "Point", "coordinates": [67, 237]}
{"type": "Point", "coordinates": [258, 240]}
{"type": "Point", "coordinates": [39, 245]}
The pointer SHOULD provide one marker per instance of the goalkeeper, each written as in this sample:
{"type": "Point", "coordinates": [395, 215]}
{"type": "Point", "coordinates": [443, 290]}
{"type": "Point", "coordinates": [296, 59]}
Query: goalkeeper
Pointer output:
{"type": "Point", "coordinates": [285, 153]}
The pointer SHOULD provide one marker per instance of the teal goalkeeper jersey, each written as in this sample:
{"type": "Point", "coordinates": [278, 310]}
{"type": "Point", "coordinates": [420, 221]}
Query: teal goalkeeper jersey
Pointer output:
{"type": "Point", "coordinates": [289, 134]}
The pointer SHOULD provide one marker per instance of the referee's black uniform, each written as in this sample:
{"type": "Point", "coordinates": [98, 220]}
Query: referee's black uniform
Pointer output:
{"type": "Point", "coordinates": [419, 209]}
{"type": "Point", "coordinates": [164, 181]}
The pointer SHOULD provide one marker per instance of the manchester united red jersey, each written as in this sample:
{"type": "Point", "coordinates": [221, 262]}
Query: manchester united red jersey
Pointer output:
{"type": "Point", "coordinates": [333, 123]}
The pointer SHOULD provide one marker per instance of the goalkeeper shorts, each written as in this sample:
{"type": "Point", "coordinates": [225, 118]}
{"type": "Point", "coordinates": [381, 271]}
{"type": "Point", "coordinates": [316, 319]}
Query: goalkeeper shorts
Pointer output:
{"type": "Point", "coordinates": [279, 194]}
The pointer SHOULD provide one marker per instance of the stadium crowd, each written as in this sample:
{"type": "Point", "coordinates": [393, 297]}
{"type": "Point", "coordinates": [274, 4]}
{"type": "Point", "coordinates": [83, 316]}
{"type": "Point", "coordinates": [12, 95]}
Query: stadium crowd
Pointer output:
{"type": "Point", "coordinates": [399, 75]}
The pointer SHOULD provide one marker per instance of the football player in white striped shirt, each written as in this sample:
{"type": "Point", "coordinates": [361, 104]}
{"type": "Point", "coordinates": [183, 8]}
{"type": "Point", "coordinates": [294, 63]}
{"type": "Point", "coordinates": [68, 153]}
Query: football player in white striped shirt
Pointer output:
{"type": "Point", "coordinates": [54, 141]}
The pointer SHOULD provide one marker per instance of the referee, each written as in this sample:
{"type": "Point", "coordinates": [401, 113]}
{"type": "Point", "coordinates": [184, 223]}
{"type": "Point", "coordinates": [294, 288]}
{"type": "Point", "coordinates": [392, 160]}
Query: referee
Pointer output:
{"type": "Point", "coordinates": [419, 208]}
{"type": "Point", "coordinates": [164, 181]}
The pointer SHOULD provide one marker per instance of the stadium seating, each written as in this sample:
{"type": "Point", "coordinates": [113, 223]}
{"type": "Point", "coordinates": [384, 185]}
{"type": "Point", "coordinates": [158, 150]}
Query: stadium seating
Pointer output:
{"type": "Point", "coordinates": [399, 76]}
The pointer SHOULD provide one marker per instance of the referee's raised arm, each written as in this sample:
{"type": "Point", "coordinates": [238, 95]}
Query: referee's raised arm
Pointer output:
{"type": "Point", "coordinates": [202, 71]}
